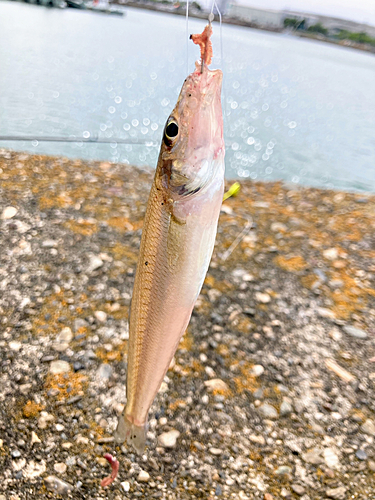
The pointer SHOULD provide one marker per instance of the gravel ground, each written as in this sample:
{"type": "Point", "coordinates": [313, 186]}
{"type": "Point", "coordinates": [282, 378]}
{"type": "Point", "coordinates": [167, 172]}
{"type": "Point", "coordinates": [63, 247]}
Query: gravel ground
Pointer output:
{"type": "Point", "coordinates": [271, 393]}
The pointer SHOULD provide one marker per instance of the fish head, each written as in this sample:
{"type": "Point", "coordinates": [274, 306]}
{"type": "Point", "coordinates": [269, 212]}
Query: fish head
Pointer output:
{"type": "Point", "coordinates": [193, 135]}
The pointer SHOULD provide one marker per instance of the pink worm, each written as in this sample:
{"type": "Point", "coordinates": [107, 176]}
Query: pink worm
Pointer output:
{"type": "Point", "coordinates": [115, 464]}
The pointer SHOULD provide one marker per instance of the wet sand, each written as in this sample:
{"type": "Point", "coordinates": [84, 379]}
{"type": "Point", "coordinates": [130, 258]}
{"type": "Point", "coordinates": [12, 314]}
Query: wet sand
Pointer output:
{"type": "Point", "coordinates": [271, 393]}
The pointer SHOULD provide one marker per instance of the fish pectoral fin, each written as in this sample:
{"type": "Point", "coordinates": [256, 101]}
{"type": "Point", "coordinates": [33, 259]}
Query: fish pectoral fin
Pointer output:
{"type": "Point", "coordinates": [177, 220]}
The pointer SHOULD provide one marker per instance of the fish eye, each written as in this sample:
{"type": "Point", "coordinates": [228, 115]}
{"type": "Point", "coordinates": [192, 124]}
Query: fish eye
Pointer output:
{"type": "Point", "coordinates": [171, 131]}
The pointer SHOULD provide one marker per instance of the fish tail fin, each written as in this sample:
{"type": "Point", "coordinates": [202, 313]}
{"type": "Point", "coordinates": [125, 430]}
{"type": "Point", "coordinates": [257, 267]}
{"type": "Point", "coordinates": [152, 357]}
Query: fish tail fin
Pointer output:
{"type": "Point", "coordinates": [131, 433]}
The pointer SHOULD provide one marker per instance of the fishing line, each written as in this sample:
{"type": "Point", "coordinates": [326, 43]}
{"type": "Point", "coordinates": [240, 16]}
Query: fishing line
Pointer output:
{"type": "Point", "coordinates": [187, 36]}
{"type": "Point", "coordinates": [92, 140]}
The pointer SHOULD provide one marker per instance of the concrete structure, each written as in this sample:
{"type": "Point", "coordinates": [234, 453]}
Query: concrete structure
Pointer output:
{"type": "Point", "coordinates": [270, 18]}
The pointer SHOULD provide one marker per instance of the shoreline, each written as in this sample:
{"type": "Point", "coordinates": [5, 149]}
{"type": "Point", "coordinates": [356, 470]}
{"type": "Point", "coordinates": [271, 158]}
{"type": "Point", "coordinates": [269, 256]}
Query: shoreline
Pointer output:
{"type": "Point", "coordinates": [166, 9]}
{"type": "Point", "coordinates": [270, 394]}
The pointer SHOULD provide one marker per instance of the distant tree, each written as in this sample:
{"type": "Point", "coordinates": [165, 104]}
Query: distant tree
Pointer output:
{"type": "Point", "coordinates": [318, 28]}
{"type": "Point", "coordinates": [361, 37]}
{"type": "Point", "coordinates": [291, 22]}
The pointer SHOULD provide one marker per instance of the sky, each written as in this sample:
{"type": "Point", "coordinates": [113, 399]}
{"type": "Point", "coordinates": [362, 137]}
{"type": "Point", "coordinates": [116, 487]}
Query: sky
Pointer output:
{"type": "Point", "coordinates": [362, 11]}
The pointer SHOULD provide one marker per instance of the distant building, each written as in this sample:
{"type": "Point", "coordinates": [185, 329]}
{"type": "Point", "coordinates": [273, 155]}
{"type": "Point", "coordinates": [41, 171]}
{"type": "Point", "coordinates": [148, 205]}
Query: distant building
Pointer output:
{"type": "Point", "coordinates": [270, 18]}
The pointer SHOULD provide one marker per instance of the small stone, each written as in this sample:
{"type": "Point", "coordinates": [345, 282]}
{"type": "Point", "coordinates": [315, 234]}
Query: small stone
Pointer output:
{"type": "Point", "coordinates": [278, 227]}
{"type": "Point", "coordinates": [371, 465]}
{"type": "Point", "coordinates": [14, 345]}
{"type": "Point", "coordinates": [257, 439]}
{"type": "Point", "coordinates": [216, 384]}
{"type": "Point", "coordinates": [215, 451]}
{"type": "Point", "coordinates": [257, 370]}
{"type": "Point", "coordinates": [326, 313]}
{"type": "Point", "coordinates": [300, 490]}
{"type": "Point", "coordinates": [34, 469]}
{"type": "Point", "coordinates": [361, 454]}
{"type": "Point", "coordinates": [268, 496]}
{"type": "Point", "coordinates": [15, 453]}
{"type": "Point", "coordinates": [368, 427]}
{"type": "Point", "coordinates": [283, 469]}
{"type": "Point", "coordinates": [60, 467]}
{"type": "Point", "coordinates": [336, 493]}
{"type": "Point", "coordinates": [94, 264]}
{"type": "Point", "coordinates": [331, 253]}
{"type": "Point", "coordinates": [49, 243]}
{"type": "Point", "coordinates": [168, 439]}
{"type": "Point", "coordinates": [331, 459]}
{"type": "Point", "coordinates": [34, 438]}
{"type": "Point", "coordinates": [285, 409]}
{"type": "Point", "coordinates": [101, 316]}
{"type": "Point", "coordinates": [59, 366]}
{"type": "Point", "coordinates": [313, 457]}
{"type": "Point", "coordinates": [355, 332]}
{"type": "Point", "coordinates": [143, 476]}
{"type": "Point", "coordinates": [105, 371]}
{"type": "Point", "coordinates": [9, 213]}
{"type": "Point", "coordinates": [264, 298]}
{"type": "Point", "coordinates": [44, 419]}
{"type": "Point", "coordinates": [59, 427]}
{"type": "Point", "coordinates": [58, 486]}
{"type": "Point", "coordinates": [268, 411]}
{"type": "Point", "coordinates": [125, 486]}
{"type": "Point", "coordinates": [65, 335]}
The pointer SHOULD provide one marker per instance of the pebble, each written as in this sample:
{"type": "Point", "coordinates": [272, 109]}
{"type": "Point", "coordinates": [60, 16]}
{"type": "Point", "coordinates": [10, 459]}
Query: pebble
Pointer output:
{"type": "Point", "coordinates": [34, 438]}
{"type": "Point", "coordinates": [125, 486]}
{"type": "Point", "coordinates": [331, 253]}
{"type": "Point", "coordinates": [58, 486]}
{"type": "Point", "coordinates": [368, 427]}
{"type": "Point", "coordinates": [300, 490]}
{"type": "Point", "coordinates": [361, 454]}
{"type": "Point", "coordinates": [15, 453]}
{"type": "Point", "coordinates": [215, 451]}
{"type": "Point", "coordinates": [216, 384]}
{"type": "Point", "coordinates": [169, 439]}
{"type": "Point", "coordinates": [9, 213]}
{"type": "Point", "coordinates": [66, 335]}
{"type": "Point", "coordinates": [60, 467]}
{"type": "Point", "coordinates": [105, 371]}
{"type": "Point", "coordinates": [264, 298]}
{"type": "Point", "coordinates": [143, 476]}
{"type": "Point", "coordinates": [313, 456]}
{"type": "Point", "coordinates": [285, 409]}
{"type": "Point", "coordinates": [371, 465]}
{"type": "Point", "coordinates": [257, 370]}
{"type": "Point", "coordinates": [101, 316]}
{"type": "Point", "coordinates": [336, 493]}
{"type": "Point", "coordinates": [94, 263]}
{"type": "Point", "coordinates": [326, 313]}
{"type": "Point", "coordinates": [257, 439]}
{"type": "Point", "coordinates": [59, 366]}
{"type": "Point", "coordinates": [44, 418]}
{"type": "Point", "coordinates": [268, 411]}
{"type": "Point", "coordinates": [283, 469]}
{"type": "Point", "coordinates": [49, 243]}
{"type": "Point", "coordinates": [15, 346]}
{"type": "Point", "coordinates": [354, 332]}
{"type": "Point", "coordinates": [278, 226]}
{"type": "Point", "coordinates": [331, 459]}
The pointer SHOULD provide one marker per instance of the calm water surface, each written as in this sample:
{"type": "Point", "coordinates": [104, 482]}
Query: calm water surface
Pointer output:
{"type": "Point", "coordinates": [295, 109]}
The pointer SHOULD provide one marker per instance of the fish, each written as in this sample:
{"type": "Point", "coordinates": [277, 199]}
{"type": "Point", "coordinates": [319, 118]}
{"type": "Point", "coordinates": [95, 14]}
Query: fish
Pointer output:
{"type": "Point", "coordinates": [177, 240]}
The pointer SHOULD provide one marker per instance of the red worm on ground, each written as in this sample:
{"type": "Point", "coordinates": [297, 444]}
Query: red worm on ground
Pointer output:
{"type": "Point", "coordinates": [115, 464]}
